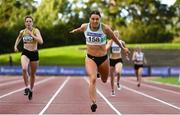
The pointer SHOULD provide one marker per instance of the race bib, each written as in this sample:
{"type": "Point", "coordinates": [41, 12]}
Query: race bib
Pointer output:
{"type": "Point", "coordinates": [27, 38]}
{"type": "Point", "coordinates": [139, 57]}
{"type": "Point", "coordinates": [116, 50]}
{"type": "Point", "coordinates": [95, 38]}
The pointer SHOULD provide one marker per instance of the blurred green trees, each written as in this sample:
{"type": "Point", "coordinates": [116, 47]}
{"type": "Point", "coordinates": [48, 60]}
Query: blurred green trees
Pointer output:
{"type": "Point", "coordinates": [138, 21]}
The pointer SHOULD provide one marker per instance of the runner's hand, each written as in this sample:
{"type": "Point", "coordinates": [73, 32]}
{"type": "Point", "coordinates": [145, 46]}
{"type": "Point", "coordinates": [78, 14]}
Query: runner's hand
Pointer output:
{"type": "Point", "coordinates": [127, 52]}
{"type": "Point", "coordinates": [15, 49]}
{"type": "Point", "coordinates": [71, 31]}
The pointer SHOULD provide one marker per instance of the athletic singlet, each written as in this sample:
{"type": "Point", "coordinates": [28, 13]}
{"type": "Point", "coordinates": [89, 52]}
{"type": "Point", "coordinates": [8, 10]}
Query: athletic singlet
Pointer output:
{"type": "Point", "coordinates": [139, 56]}
{"type": "Point", "coordinates": [95, 37]}
{"type": "Point", "coordinates": [115, 48]}
{"type": "Point", "coordinates": [26, 37]}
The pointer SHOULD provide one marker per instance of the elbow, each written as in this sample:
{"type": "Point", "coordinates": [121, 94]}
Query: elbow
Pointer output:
{"type": "Point", "coordinates": [41, 42]}
{"type": "Point", "coordinates": [107, 48]}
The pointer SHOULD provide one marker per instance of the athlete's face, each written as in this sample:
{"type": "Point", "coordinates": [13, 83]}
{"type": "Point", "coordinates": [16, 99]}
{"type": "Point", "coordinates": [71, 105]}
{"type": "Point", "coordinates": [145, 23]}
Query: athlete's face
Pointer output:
{"type": "Point", "coordinates": [95, 20]}
{"type": "Point", "coordinates": [28, 23]}
{"type": "Point", "coordinates": [138, 49]}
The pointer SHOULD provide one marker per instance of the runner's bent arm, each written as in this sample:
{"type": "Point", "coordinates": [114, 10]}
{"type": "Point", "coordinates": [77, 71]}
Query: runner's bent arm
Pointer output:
{"type": "Point", "coordinates": [111, 35]}
{"type": "Point", "coordinates": [18, 39]}
{"type": "Point", "coordinates": [109, 43]}
{"type": "Point", "coordinates": [80, 29]}
{"type": "Point", "coordinates": [37, 37]}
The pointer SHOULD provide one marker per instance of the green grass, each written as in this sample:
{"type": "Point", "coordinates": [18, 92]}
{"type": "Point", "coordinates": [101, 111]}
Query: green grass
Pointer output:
{"type": "Point", "coordinates": [64, 56]}
{"type": "Point", "coordinates": [168, 80]}
{"type": "Point", "coordinates": [72, 55]}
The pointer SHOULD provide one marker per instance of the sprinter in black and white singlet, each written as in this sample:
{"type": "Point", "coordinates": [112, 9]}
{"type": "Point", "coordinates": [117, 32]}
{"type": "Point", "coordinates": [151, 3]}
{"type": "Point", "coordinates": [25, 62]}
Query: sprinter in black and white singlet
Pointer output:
{"type": "Point", "coordinates": [139, 59]}
{"type": "Point", "coordinates": [95, 37]}
{"type": "Point", "coordinates": [31, 38]}
{"type": "Point", "coordinates": [116, 62]}
{"type": "Point", "coordinates": [97, 60]}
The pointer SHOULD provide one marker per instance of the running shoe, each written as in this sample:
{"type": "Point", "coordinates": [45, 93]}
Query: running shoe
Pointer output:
{"type": "Point", "coordinates": [98, 75]}
{"type": "Point", "coordinates": [138, 84]}
{"type": "Point", "coordinates": [30, 95]}
{"type": "Point", "coordinates": [119, 87]}
{"type": "Point", "coordinates": [93, 107]}
{"type": "Point", "coordinates": [26, 91]}
{"type": "Point", "coordinates": [113, 93]}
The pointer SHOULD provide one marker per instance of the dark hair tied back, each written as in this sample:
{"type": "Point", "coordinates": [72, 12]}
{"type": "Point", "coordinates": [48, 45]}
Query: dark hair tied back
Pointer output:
{"type": "Point", "coordinates": [95, 12]}
{"type": "Point", "coordinates": [28, 16]}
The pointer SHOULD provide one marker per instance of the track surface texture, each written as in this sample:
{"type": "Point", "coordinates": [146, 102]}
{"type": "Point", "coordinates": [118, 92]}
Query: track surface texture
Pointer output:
{"type": "Point", "coordinates": [69, 95]}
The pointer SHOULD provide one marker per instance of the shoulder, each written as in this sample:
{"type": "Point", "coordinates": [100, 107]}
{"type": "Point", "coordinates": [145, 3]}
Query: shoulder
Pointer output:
{"type": "Point", "coordinates": [21, 31]}
{"type": "Point", "coordinates": [36, 30]}
{"type": "Point", "coordinates": [122, 41]}
{"type": "Point", "coordinates": [134, 52]}
{"type": "Point", "coordinates": [84, 26]}
{"type": "Point", "coordinates": [106, 28]}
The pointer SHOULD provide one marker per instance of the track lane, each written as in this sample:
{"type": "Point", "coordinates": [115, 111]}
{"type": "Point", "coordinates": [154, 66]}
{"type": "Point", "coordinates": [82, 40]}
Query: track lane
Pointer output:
{"type": "Point", "coordinates": [129, 102]}
{"type": "Point", "coordinates": [166, 95]}
{"type": "Point", "coordinates": [54, 96]}
{"type": "Point", "coordinates": [13, 85]}
{"type": "Point", "coordinates": [74, 99]}
{"type": "Point", "coordinates": [4, 79]}
{"type": "Point", "coordinates": [20, 104]}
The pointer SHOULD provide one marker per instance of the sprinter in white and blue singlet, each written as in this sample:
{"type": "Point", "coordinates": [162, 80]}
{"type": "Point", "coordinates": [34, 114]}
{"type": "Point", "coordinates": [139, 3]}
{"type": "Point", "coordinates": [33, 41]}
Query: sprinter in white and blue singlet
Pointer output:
{"type": "Point", "coordinates": [96, 35]}
{"type": "Point", "coordinates": [31, 38]}
{"type": "Point", "coordinates": [116, 62]}
{"type": "Point", "coordinates": [139, 59]}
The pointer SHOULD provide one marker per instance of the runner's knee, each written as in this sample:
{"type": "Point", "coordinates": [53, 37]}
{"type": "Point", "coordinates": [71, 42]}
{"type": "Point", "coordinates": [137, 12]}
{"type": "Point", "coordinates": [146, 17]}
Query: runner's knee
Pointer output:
{"type": "Point", "coordinates": [24, 70]}
{"type": "Point", "coordinates": [104, 80]}
{"type": "Point", "coordinates": [92, 80]}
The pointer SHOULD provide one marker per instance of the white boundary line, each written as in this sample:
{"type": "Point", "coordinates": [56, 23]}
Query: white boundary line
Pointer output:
{"type": "Point", "coordinates": [11, 82]}
{"type": "Point", "coordinates": [106, 100]}
{"type": "Point", "coordinates": [2, 96]}
{"type": "Point", "coordinates": [54, 96]}
{"type": "Point", "coordinates": [155, 87]}
{"type": "Point", "coordinates": [151, 97]}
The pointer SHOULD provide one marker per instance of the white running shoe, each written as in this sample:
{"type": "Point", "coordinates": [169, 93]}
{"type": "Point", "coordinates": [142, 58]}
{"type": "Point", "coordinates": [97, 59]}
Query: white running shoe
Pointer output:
{"type": "Point", "coordinates": [113, 93]}
{"type": "Point", "coordinates": [119, 87]}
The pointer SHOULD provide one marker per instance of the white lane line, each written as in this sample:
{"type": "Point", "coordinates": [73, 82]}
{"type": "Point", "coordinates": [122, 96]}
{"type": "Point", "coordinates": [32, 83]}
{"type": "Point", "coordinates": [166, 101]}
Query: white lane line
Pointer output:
{"type": "Point", "coordinates": [54, 96]}
{"type": "Point", "coordinates": [23, 88]}
{"type": "Point", "coordinates": [11, 82]}
{"type": "Point", "coordinates": [106, 100]}
{"type": "Point", "coordinates": [8, 78]}
{"type": "Point", "coordinates": [151, 97]}
{"type": "Point", "coordinates": [155, 87]}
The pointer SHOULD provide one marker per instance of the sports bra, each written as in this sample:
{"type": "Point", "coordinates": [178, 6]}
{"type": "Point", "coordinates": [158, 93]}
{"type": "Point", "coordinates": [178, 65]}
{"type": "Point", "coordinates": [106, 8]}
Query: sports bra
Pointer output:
{"type": "Point", "coordinates": [115, 48]}
{"type": "Point", "coordinates": [28, 38]}
{"type": "Point", "coordinates": [139, 56]}
{"type": "Point", "coordinates": [95, 37]}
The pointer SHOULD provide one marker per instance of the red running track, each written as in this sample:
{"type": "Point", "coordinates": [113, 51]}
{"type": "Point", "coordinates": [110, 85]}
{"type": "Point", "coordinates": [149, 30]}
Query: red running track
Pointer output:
{"type": "Point", "coordinates": [69, 95]}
